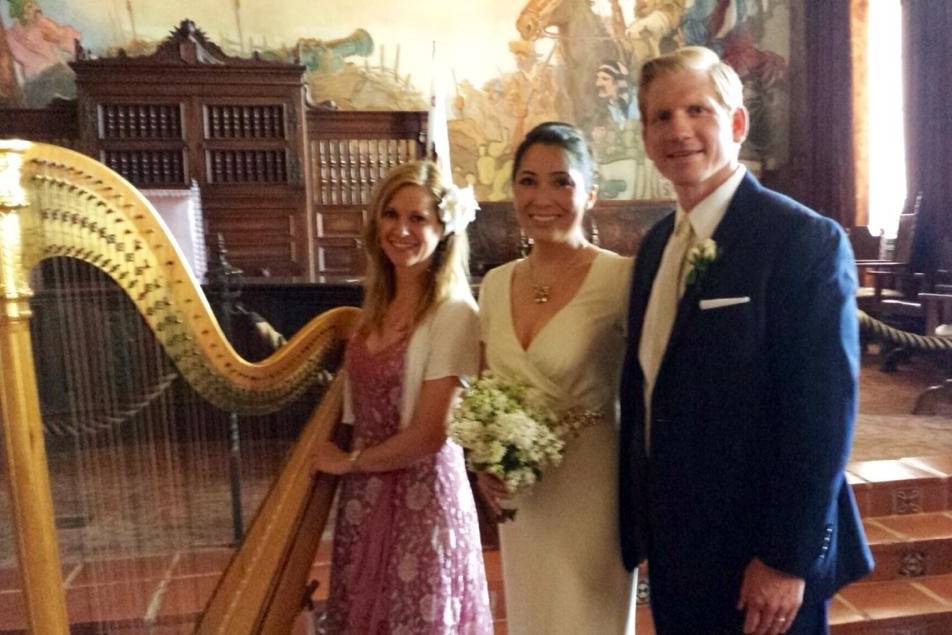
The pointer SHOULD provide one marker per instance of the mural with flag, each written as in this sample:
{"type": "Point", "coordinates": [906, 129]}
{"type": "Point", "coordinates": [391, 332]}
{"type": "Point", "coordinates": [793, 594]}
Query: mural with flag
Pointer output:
{"type": "Point", "coordinates": [501, 68]}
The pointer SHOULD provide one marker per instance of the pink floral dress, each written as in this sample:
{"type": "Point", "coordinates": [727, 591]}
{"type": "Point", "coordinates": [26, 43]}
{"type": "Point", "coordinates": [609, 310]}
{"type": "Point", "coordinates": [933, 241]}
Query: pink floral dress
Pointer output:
{"type": "Point", "coordinates": [407, 555]}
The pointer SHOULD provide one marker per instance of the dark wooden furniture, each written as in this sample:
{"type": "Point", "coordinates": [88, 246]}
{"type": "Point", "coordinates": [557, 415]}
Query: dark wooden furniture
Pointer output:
{"type": "Point", "coordinates": [615, 225]}
{"type": "Point", "coordinates": [189, 112]}
{"type": "Point", "coordinates": [350, 152]}
{"type": "Point", "coordinates": [890, 279]}
{"type": "Point", "coordinates": [284, 182]}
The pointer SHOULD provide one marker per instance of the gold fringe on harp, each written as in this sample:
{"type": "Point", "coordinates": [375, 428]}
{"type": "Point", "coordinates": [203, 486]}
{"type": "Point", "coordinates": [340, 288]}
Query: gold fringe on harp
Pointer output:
{"type": "Point", "coordinates": [57, 203]}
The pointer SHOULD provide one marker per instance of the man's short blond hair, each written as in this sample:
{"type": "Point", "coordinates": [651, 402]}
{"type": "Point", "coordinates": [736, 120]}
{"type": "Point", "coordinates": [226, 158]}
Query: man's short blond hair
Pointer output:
{"type": "Point", "coordinates": [727, 84]}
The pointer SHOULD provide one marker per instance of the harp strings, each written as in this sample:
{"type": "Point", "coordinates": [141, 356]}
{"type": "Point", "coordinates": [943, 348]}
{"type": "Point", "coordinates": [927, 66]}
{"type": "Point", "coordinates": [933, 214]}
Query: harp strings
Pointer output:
{"type": "Point", "coordinates": [140, 464]}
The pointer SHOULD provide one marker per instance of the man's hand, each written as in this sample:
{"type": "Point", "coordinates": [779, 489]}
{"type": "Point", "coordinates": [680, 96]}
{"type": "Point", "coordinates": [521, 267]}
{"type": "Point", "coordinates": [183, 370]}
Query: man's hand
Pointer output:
{"type": "Point", "coordinates": [770, 597]}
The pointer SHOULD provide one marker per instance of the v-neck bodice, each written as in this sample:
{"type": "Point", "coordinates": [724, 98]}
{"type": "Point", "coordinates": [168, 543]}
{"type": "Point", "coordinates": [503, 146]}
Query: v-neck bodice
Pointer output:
{"type": "Point", "coordinates": [576, 355]}
{"type": "Point", "coordinates": [596, 262]}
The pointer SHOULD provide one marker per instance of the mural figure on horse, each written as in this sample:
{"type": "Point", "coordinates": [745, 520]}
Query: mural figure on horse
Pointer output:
{"type": "Point", "coordinates": [582, 42]}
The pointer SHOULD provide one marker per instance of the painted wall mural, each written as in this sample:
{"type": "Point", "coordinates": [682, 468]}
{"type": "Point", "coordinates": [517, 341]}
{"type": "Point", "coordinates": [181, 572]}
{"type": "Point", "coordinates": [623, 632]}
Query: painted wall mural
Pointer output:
{"type": "Point", "coordinates": [505, 67]}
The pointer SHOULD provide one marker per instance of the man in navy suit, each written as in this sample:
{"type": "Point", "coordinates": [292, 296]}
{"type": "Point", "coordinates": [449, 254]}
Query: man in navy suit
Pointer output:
{"type": "Point", "coordinates": [739, 389]}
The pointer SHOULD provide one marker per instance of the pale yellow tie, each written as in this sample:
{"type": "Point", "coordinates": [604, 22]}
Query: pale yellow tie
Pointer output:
{"type": "Point", "coordinates": [662, 309]}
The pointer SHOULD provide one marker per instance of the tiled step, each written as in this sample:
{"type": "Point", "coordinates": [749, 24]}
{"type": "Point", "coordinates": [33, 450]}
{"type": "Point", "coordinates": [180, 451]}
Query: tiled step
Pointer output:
{"type": "Point", "coordinates": [901, 486]}
{"type": "Point", "coordinates": [910, 545]}
{"type": "Point", "coordinates": [920, 606]}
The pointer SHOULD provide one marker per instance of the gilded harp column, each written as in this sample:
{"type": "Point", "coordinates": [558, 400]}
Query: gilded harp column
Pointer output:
{"type": "Point", "coordinates": [24, 445]}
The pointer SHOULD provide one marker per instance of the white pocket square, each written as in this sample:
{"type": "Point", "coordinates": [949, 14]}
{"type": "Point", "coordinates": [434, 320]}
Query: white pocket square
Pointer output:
{"type": "Point", "coordinates": [717, 303]}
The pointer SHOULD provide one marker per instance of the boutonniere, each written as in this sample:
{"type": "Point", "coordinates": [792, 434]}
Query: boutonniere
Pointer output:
{"type": "Point", "coordinates": [700, 257]}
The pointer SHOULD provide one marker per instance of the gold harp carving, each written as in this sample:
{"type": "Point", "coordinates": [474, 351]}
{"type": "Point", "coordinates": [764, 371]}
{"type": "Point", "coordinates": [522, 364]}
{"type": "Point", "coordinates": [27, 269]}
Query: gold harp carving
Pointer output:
{"type": "Point", "coordinates": [55, 202]}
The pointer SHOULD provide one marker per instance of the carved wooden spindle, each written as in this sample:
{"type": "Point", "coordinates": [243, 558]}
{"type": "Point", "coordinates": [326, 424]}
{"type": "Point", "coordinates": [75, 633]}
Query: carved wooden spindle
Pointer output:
{"type": "Point", "coordinates": [267, 121]}
{"type": "Point", "coordinates": [344, 172]}
{"type": "Point", "coordinates": [339, 172]}
{"type": "Point", "coordinates": [355, 181]}
{"type": "Point", "coordinates": [132, 159]}
{"type": "Point", "coordinates": [225, 167]}
{"type": "Point", "coordinates": [121, 122]}
{"type": "Point", "coordinates": [108, 124]}
{"type": "Point", "coordinates": [245, 122]}
{"type": "Point", "coordinates": [320, 158]}
{"type": "Point", "coordinates": [225, 122]}
{"type": "Point", "coordinates": [363, 169]}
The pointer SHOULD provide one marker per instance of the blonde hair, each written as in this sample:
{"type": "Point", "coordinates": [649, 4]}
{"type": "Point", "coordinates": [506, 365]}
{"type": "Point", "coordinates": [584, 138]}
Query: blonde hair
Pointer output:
{"type": "Point", "coordinates": [448, 273]}
{"type": "Point", "coordinates": [727, 85]}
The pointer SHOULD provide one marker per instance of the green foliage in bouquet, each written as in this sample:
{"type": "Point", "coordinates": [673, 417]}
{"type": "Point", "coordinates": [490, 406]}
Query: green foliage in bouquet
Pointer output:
{"type": "Point", "coordinates": [508, 430]}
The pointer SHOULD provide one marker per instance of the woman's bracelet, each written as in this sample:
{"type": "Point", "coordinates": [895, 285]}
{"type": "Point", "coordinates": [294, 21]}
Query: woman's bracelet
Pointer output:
{"type": "Point", "coordinates": [352, 459]}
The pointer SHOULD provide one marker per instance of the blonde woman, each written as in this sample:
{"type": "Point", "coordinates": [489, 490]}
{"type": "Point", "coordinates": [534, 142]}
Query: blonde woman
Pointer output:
{"type": "Point", "coordinates": [407, 555]}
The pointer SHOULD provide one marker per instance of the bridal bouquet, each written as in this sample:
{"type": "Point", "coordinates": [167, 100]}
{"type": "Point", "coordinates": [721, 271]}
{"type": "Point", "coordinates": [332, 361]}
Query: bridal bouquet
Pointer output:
{"type": "Point", "coordinates": [509, 431]}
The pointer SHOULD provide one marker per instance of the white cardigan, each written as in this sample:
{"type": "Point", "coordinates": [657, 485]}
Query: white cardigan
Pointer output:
{"type": "Point", "coordinates": [445, 344]}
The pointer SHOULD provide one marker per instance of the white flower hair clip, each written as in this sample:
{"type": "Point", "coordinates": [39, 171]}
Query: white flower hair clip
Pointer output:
{"type": "Point", "coordinates": [458, 209]}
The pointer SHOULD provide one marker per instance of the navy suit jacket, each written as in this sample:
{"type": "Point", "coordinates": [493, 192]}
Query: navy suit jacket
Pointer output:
{"type": "Point", "coordinates": [753, 407]}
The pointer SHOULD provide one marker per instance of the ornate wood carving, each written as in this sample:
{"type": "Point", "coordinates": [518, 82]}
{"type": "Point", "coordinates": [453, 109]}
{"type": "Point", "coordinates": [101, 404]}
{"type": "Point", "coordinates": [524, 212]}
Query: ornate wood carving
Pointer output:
{"type": "Point", "coordinates": [191, 112]}
{"type": "Point", "coordinates": [350, 152]}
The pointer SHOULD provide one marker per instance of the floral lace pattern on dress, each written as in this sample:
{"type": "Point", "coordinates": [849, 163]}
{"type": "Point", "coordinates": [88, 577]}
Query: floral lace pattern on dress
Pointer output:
{"type": "Point", "coordinates": [407, 555]}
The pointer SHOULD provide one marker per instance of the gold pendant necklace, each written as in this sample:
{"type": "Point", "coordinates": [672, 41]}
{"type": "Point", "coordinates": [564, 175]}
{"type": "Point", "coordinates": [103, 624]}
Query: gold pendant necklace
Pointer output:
{"type": "Point", "coordinates": [540, 292]}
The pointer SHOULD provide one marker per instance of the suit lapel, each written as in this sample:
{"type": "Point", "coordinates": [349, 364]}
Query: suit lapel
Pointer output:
{"type": "Point", "coordinates": [728, 238]}
{"type": "Point", "coordinates": [645, 271]}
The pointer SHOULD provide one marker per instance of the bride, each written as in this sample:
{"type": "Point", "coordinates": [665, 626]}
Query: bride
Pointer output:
{"type": "Point", "coordinates": [555, 320]}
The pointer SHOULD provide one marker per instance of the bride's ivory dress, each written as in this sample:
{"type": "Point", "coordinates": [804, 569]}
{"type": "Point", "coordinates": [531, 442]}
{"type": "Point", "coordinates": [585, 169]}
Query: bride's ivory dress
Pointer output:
{"type": "Point", "coordinates": [561, 555]}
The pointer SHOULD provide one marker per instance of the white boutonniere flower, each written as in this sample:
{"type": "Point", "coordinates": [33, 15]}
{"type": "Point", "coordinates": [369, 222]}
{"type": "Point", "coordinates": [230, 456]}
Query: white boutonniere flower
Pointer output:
{"type": "Point", "coordinates": [457, 209]}
{"type": "Point", "coordinates": [699, 259]}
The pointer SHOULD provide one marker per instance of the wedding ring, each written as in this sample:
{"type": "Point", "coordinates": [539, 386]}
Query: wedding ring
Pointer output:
{"type": "Point", "coordinates": [781, 619]}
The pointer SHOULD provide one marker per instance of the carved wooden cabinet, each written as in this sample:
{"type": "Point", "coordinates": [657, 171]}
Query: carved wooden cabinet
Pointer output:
{"type": "Point", "coordinates": [350, 152]}
{"type": "Point", "coordinates": [189, 112]}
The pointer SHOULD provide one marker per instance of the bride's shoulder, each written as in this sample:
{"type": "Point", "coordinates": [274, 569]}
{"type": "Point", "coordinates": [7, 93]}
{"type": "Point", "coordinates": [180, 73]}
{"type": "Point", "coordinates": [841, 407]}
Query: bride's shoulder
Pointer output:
{"type": "Point", "coordinates": [615, 272]}
{"type": "Point", "coordinates": [614, 260]}
{"type": "Point", "coordinates": [497, 275]}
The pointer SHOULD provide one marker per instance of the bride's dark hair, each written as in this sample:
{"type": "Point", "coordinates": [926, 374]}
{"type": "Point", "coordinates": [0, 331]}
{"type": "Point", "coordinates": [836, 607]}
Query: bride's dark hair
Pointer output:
{"type": "Point", "coordinates": [565, 136]}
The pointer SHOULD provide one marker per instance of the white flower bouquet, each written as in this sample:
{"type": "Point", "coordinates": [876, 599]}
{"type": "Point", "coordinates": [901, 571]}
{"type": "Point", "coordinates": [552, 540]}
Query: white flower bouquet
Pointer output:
{"type": "Point", "coordinates": [509, 431]}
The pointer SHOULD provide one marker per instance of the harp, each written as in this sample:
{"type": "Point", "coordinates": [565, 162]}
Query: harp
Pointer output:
{"type": "Point", "coordinates": [108, 349]}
